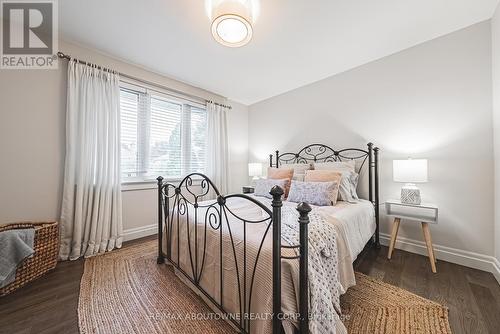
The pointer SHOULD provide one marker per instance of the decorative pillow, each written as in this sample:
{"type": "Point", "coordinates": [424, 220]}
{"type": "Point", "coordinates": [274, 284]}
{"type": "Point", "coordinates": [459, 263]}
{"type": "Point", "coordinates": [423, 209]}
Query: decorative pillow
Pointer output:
{"type": "Point", "coordinates": [347, 187]}
{"type": "Point", "coordinates": [354, 185]}
{"type": "Point", "coordinates": [279, 174]}
{"type": "Point", "coordinates": [316, 193]}
{"type": "Point", "coordinates": [340, 166]}
{"type": "Point", "coordinates": [325, 176]}
{"type": "Point", "coordinates": [264, 186]}
{"type": "Point", "coordinates": [298, 170]}
{"type": "Point", "coordinates": [349, 181]}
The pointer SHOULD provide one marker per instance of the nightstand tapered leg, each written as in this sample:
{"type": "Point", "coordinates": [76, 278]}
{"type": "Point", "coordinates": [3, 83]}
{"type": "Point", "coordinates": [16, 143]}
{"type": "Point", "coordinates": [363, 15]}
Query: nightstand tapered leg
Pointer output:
{"type": "Point", "coordinates": [428, 242]}
{"type": "Point", "coordinates": [394, 235]}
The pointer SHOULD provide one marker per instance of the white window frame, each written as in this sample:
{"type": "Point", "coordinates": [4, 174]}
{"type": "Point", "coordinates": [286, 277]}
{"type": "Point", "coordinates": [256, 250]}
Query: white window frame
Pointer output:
{"type": "Point", "coordinates": [139, 183]}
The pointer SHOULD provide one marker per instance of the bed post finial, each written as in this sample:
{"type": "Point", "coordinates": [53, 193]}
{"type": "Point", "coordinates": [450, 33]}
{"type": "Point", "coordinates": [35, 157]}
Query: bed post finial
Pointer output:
{"type": "Point", "coordinates": [270, 160]}
{"type": "Point", "coordinates": [277, 192]}
{"type": "Point", "coordinates": [161, 258]}
{"type": "Point", "coordinates": [277, 203]}
{"type": "Point", "coordinates": [277, 159]}
{"type": "Point", "coordinates": [303, 209]}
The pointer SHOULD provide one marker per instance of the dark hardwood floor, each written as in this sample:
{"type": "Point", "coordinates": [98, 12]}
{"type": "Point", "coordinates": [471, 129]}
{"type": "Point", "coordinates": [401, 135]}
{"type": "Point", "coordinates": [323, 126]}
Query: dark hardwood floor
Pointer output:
{"type": "Point", "coordinates": [472, 296]}
{"type": "Point", "coordinates": [49, 305]}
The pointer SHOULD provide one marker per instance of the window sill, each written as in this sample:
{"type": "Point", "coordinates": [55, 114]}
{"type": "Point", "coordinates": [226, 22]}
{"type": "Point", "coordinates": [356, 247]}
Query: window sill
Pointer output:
{"type": "Point", "coordinates": [136, 185]}
{"type": "Point", "coordinates": [139, 185]}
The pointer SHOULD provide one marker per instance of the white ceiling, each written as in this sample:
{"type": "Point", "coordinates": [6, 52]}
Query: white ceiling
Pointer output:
{"type": "Point", "coordinates": [295, 42]}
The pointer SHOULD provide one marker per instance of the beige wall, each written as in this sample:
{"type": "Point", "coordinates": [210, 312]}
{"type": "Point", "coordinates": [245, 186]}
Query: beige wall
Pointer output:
{"type": "Point", "coordinates": [495, 37]}
{"type": "Point", "coordinates": [32, 138]}
{"type": "Point", "coordinates": [32, 142]}
{"type": "Point", "coordinates": [431, 101]}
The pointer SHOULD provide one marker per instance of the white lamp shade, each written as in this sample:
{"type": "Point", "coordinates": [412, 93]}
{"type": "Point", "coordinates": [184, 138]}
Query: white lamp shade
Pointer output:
{"type": "Point", "coordinates": [255, 169]}
{"type": "Point", "coordinates": [410, 171]}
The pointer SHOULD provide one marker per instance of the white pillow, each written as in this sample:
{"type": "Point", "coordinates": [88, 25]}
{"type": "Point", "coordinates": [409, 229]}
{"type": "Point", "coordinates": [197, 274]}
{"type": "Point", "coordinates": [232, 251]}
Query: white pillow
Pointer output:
{"type": "Point", "coordinates": [299, 170]}
{"type": "Point", "coordinates": [264, 186]}
{"type": "Point", "coordinates": [354, 185]}
{"type": "Point", "coordinates": [299, 177]}
{"type": "Point", "coordinates": [316, 193]}
{"type": "Point", "coordinates": [348, 165]}
{"type": "Point", "coordinates": [347, 187]}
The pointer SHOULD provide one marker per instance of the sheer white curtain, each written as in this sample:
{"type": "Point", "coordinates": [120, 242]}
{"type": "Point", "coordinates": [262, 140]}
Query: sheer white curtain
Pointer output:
{"type": "Point", "coordinates": [91, 215]}
{"type": "Point", "coordinates": [217, 167]}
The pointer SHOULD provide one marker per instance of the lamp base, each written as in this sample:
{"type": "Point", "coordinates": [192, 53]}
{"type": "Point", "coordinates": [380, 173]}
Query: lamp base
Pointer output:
{"type": "Point", "coordinates": [410, 194]}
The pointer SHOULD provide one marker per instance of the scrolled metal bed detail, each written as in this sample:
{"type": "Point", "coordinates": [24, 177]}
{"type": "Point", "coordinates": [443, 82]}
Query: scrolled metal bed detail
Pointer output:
{"type": "Point", "coordinates": [324, 153]}
{"type": "Point", "coordinates": [183, 200]}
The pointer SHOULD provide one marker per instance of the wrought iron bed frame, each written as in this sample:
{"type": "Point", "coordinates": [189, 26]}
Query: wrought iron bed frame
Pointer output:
{"type": "Point", "coordinates": [324, 153]}
{"type": "Point", "coordinates": [173, 203]}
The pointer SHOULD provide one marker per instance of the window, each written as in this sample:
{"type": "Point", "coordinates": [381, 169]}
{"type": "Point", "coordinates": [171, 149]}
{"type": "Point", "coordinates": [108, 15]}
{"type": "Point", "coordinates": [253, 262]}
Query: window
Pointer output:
{"type": "Point", "coordinates": [160, 135]}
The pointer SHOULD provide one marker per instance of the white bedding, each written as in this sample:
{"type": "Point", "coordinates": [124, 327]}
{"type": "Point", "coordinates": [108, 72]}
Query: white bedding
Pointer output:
{"type": "Point", "coordinates": [355, 225]}
{"type": "Point", "coordinates": [357, 220]}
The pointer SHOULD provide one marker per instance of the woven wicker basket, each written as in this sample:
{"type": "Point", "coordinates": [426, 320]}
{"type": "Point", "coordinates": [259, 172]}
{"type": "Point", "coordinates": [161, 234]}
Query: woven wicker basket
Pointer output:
{"type": "Point", "coordinates": [46, 246]}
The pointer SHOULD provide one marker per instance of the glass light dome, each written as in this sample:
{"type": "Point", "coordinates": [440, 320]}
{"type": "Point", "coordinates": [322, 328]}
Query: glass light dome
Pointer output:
{"type": "Point", "coordinates": [232, 30]}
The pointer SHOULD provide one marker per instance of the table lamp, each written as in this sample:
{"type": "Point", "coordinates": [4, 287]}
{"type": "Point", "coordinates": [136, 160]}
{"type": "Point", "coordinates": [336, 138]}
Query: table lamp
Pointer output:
{"type": "Point", "coordinates": [255, 170]}
{"type": "Point", "coordinates": [410, 171]}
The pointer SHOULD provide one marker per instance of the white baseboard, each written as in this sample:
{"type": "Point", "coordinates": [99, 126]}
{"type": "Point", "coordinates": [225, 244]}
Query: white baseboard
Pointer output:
{"type": "Point", "coordinates": [139, 232]}
{"type": "Point", "coordinates": [454, 255]}
{"type": "Point", "coordinates": [496, 273]}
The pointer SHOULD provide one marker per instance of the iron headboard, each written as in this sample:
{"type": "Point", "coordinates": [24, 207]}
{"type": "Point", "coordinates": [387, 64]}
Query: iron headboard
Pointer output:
{"type": "Point", "coordinates": [324, 153]}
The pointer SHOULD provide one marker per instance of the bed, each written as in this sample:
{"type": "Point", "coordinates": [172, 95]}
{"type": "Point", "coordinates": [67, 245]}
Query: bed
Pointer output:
{"type": "Point", "coordinates": [268, 265]}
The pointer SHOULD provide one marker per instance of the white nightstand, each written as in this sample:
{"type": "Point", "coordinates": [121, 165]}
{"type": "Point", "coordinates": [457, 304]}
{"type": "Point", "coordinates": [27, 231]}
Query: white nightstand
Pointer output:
{"type": "Point", "coordinates": [424, 213]}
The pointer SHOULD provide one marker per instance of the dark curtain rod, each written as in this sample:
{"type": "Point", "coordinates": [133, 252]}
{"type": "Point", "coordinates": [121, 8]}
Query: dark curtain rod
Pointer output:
{"type": "Point", "coordinates": [68, 57]}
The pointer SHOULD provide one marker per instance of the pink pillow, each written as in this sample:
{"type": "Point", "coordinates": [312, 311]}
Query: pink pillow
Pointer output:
{"type": "Point", "coordinates": [279, 174]}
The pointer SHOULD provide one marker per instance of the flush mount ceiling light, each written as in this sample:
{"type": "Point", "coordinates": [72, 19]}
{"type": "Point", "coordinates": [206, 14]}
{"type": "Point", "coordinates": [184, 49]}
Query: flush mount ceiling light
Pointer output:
{"type": "Point", "coordinates": [231, 30]}
{"type": "Point", "coordinates": [232, 24]}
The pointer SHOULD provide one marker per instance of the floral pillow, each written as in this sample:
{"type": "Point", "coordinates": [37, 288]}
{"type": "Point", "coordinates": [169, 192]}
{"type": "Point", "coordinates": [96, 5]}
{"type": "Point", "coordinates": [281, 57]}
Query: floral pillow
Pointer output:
{"type": "Point", "coordinates": [325, 176]}
{"type": "Point", "coordinates": [316, 193]}
{"type": "Point", "coordinates": [264, 186]}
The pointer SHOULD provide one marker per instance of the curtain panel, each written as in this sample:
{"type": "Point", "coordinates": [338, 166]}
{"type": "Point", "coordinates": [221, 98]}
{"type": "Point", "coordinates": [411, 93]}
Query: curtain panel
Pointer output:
{"type": "Point", "coordinates": [91, 215]}
{"type": "Point", "coordinates": [217, 167]}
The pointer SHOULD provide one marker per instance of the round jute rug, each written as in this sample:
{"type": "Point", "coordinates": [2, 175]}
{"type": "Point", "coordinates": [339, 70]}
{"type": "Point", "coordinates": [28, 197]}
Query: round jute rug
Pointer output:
{"type": "Point", "coordinates": [376, 307]}
{"type": "Point", "coordinates": [125, 291]}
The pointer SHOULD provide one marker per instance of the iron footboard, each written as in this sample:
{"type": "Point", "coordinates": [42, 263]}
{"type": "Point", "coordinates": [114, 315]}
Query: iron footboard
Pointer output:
{"type": "Point", "coordinates": [178, 204]}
